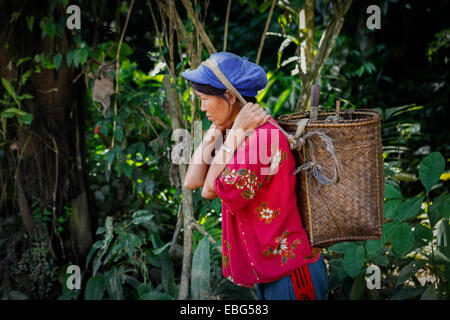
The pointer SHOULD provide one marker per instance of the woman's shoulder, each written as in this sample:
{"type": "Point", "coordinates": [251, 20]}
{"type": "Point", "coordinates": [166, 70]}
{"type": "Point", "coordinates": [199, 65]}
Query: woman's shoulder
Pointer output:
{"type": "Point", "coordinates": [271, 132]}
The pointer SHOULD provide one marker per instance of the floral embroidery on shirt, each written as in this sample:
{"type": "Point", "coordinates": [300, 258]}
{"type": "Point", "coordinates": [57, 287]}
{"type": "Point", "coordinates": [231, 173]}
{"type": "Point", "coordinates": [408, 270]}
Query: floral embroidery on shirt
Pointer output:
{"type": "Point", "coordinates": [278, 156]}
{"type": "Point", "coordinates": [282, 249]}
{"type": "Point", "coordinates": [229, 175]}
{"type": "Point", "coordinates": [277, 159]}
{"type": "Point", "coordinates": [248, 183]}
{"type": "Point", "coordinates": [243, 179]}
{"type": "Point", "coordinates": [266, 214]}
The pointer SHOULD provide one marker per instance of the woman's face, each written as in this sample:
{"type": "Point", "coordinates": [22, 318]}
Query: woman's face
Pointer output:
{"type": "Point", "coordinates": [217, 109]}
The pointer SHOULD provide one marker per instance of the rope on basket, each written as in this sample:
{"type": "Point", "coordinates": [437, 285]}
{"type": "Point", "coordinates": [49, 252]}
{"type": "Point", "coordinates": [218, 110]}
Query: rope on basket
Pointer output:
{"type": "Point", "coordinates": [296, 141]}
{"type": "Point", "coordinates": [313, 167]}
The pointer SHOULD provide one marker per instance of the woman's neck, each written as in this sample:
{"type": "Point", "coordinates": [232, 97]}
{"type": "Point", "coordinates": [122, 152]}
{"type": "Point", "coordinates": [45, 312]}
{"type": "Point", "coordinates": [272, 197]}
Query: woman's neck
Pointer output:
{"type": "Point", "coordinates": [234, 113]}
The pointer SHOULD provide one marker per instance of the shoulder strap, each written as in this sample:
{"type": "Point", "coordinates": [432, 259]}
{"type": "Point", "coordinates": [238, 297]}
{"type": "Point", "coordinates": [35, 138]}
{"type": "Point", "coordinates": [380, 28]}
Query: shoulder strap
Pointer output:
{"type": "Point", "coordinates": [212, 65]}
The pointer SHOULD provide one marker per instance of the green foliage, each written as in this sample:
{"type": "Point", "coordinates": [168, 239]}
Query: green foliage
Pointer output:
{"type": "Point", "coordinates": [413, 252]}
{"type": "Point", "coordinates": [120, 261]}
{"type": "Point", "coordinates": [430, 170]}
{"type": "Point", "coordinates": [136, 189]}
{"type": "Point", "coordinates": [200, 275]}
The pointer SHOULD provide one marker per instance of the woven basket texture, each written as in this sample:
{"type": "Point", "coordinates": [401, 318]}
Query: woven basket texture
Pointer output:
{"type": "Point", "coordinates": [351, 209]}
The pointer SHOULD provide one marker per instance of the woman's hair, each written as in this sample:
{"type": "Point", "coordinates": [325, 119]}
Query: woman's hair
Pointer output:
{"type": "Point", "coordinates": [210, 90]}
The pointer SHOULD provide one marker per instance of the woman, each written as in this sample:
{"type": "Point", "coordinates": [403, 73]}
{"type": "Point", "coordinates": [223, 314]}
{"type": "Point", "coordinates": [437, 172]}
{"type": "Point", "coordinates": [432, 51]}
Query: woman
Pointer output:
{"type": "Point", "coordinates": [250, 170]}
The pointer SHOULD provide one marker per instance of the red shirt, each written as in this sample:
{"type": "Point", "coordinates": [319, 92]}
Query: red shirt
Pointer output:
{"type": "Point", "coordinates": [263, 238]}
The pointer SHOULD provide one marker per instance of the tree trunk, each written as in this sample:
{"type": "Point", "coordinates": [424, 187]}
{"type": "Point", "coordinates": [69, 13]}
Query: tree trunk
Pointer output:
{"type": "Point", "coordinates": [187, 197]}
{"type": "Point", "coordinates": [49, 154]}
{"type": "Point", "coordinates": [324, 49]}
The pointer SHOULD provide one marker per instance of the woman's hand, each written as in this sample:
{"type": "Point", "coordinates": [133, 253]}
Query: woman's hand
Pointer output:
{"type": "Point", "coordinates": [250, 117]}
{"type": "Point", "coordinates": [212, 133]}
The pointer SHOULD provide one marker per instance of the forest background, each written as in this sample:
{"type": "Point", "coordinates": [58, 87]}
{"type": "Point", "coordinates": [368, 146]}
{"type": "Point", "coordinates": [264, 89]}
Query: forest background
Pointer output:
{"type": "Point", "coordinates": [87, 116]}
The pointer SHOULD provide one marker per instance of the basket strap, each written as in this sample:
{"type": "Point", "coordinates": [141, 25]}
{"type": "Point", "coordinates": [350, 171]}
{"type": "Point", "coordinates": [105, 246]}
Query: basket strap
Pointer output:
{"type": "Point", "coordinates": [212, 65]}
{"type": "Point", "coordinates": [296, 141]}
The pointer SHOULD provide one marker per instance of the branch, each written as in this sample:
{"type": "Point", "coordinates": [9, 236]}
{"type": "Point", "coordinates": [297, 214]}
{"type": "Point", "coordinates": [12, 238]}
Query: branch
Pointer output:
{"type": "Point", "coordinates": [177, 231]}
{"type": "Point", "coordinates": [227, 17]}
{"type": "Point", "coordinates": [326, 45]}
{"type": "Point", "coordinates": [263, 37]}
{"type": "Point", "coordinates": [187, 197]}
{"type": "Point", "coordinates": [116, 91]}
{"type": "Point", "coordinates": [199, 27]}
{"type": "Point", "coordinates": [200, 229]}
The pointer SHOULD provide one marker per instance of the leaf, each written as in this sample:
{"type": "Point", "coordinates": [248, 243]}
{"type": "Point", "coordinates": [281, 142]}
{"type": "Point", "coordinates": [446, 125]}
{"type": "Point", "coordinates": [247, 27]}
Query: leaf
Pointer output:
{"type": "Point", "coordinates": [358, 288]}
{"type": "Point", "coordinates": [127, 243]}
{"type": "Point", "coordinates": [141, 216]}
{"type": "Point", "coordinates": [374, 245]}
{"type": "Point", "coordinates": [26, 118]}
{"type": "Point", "coordinates": [430, 170]}
{"type": "Point", "coordinates": [83, 55]}
{"type": "Point", "coordinates": [442, 254]}
{"type": "Point", "coordinates": [423, 232]}
{"type": "Point", "coordinates": [95, 288]}
{"type": "Point", "coordinates": [76, 57]}
{"type": "Point", "coordinates": [380, 260]}
{"type": "Point", "coordinates": [395, 111]}
{"type": "Point", "coordinates": [201, 273]}
{"type": "Point", "coordinates": [105, 244]}
{"type": "Point", "coordinates": [430, 293]}
{"type": "Point", "coordinates": [21, 115]}
{"type": "Point", "coordinates": [388, 229]}
{"type": "Point", "coordinates": [263, 7]}
{"type": "Point", "coordinates": [392, 192]}
{"type": "Point", "coordinates": [69, 58]}
{"type": "Point", "coordinates": [30, 22]}
{"type": "Point", "coordinates": [149, 185]}
{"type": "Point", "coordinates": [127, 169]}
{"type": "Point", "coordinates": [342, 246]}
{"type": "Point", "coordinates": [354, 261]}
{"type": "Point", "coordinates": [92, 250]}
{"type": "Point", "coordinates": [57, 59]}
{"type": "Point", "coordinates": [281, 100]}
{"type": "Point", "coordinates": [407, 293]}
{"type": "Point", "coordinates": [110, 156]}
{"type": "Point", "coordinates": [298, 4]}
{"type": "Point", "coordinates": [443, 234]}
{"type": "Point", "coordinates": [408, 271]}
{"type": "Point", "coordinates": [402, 239]}
{"type": "Point", "coordinates": [390, 208]}
{"type": "Point", "coordinates": [113, 283]}
{"type": "Point", "coordinates": [10, 89]}
{"type": "Point", "coordinates": [144, 288]}
{"type": "Point", "coordinates": [441, 205]}
{"type": "Point", "coordinates": [118, 133]}
{"type": "Point", "coordinates": [132, 281]}
{"type": "Point", "coordinates": [167, 271]}
{"type": "Point", "coordinates": [408, 209]}
{"type": "Point", "coordinates": [283, 45]}
{"type": "Point", "coordinates": [158, 251]}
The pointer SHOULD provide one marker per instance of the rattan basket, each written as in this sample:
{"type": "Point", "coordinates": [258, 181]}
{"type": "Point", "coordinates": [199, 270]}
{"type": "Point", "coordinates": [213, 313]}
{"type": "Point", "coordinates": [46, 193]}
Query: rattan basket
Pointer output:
{"type": "Point", "coordinates": [352, 208]}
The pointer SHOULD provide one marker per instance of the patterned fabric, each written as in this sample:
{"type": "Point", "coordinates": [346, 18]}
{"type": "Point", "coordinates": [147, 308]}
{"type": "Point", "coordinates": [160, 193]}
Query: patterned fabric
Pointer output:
{"type": "Point", "coordinates": [263, 238]}
{"type": "Point", "coordinates": [302, 283]}
{"type": "Point", "coordinates": [308, 282]}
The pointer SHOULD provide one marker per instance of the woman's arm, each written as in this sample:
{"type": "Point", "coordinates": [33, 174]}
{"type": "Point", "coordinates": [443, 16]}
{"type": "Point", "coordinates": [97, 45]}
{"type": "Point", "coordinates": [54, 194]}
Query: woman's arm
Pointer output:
{"type": "Point", "coordinates": [198, 166]}
{"type": "Point", "coordinates": [250, 117]}
{"type": "Point", "coordinates": [234, 139]}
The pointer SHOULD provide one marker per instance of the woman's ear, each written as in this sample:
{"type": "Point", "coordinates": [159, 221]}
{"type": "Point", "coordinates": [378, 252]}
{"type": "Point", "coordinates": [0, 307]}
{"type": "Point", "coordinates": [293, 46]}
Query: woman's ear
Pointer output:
{"type": "Point", "coordinates": [230, 97]}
